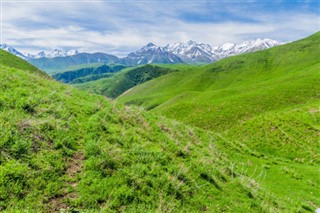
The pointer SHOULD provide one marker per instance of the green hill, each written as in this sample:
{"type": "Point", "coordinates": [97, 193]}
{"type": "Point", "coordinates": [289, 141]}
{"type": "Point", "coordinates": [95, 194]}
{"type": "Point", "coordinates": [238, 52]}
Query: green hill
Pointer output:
{"type": "Point", "coordinates": [268, 100]}
{"type": "Point", "coordinates": [231, 91]}
{"type": "Point", "coordinates": [57, 64]}
{"type": "Point", "coordinates": [62, 149]}
{"type": "Point", "coordinates": [87, 72]}
{"type": "Point", "coordinates": [7, 59]}
{"type": "Point", "coordinates": [126, 79]}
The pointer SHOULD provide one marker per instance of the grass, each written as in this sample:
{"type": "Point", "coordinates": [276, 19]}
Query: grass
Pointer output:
{"type": "Point", "coordinates": [80, 66]}
{"type": "Point", "coordinates": [126, 79]}
{"type": "Point", "coordinates": [18, 63]}
{"type": "Point", "coordinates": [236, 90]}
{"type": "Point", "coordinates": [65, 149]}
{"type": "Point", "coordinates": [62, 149]}
{"type": "Point", "coordinates": [265, 104]}
{"type": "Point", "coordinates": [87, 72]}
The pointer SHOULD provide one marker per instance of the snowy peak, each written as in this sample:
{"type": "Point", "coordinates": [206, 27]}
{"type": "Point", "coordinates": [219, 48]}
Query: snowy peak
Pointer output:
{"type": "Point", "coordinates": [226, 46]}
{"type": "Point", "coordinates": [258, 44]}
{"type": "Point", "coordinates": [12, 51]}
{"type": "Point", "coordinates": [72, 52]}
{"type": "Point", "coordinates": [191, 51]}
{"type": "Point", "coordinates": [53, 54]}
{"type": "Point", "coordinates": [181, 52]}
{"type": "Point", "coordinates": [183, 47]}
{"type": "Point", "coordinates": [42, 54]}
{"type": "Point", "coordinates": [151, 54]}
{"type": "Point", "coordinates": [150, 45]}
{"type": "Point", "coordinates": [230, 49]}
{"type": "Point", "coordinates": [58, 53]}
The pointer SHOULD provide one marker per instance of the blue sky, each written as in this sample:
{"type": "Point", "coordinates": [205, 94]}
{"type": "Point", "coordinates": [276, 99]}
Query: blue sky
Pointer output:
{"type": "Point", "coordinates": [118, 27]}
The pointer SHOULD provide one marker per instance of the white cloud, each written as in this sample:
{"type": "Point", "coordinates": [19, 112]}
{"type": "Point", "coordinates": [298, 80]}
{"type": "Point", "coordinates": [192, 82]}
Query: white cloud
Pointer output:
{"type": "Point", "coordinates": [119, 28]}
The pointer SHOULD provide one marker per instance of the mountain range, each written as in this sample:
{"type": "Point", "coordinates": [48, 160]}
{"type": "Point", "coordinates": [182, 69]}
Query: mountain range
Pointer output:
{"type": "Point", "coordinates": [13, 51]}
{"type": "Point", "coordinates": [192, 52]}
{"type": "Point", "coordinates": [182, 52]}
{"type": "Point", "coordinates": [55, 53]}
{"type": "Point", "coordinates": [152, 54]}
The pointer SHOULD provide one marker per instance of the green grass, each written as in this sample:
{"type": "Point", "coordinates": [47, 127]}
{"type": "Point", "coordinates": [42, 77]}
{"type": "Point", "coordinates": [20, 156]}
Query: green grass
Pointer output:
{"type": "Point", "coordinates": [92, 77]}
{"type": "Point", "coordinates": [10, 60]}
{"type": "Point", "coordinates": [229, 92]}
{"type": "Point", "coordinates": [265, 102]}
{"type": "Point", "coordinates": [64, 149]}
{"type": "Point", "coordinates": [80, 66]}
{"type": "Point", "coordinates": [87, 72]}
{"type": "Point", "coordinates": [126, 79]}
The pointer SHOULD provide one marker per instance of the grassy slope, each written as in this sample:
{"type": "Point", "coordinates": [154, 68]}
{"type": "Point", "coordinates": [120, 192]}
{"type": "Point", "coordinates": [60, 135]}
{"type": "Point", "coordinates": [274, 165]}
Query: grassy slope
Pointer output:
{"type": "Point", "coordinates": [10, 60]}
{"type": "Point", "coordinates": [126, 79]}
{"type": "Point", "coordinates": [66, 149]}
{"type": "Point", "coordinates": [229, 93]}
{"type": "Point", "coordinates": [80, 66]}
{"type": "Point", "coordinates": [265, 102]}
{"type": "Point", "coordinates": [92, 77]}
{"type": "Point", "coordinates": [87, 72]}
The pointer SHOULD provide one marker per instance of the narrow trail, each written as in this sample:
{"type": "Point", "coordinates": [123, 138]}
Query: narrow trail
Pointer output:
{"type": "Point", "coordinates": [74, 168]}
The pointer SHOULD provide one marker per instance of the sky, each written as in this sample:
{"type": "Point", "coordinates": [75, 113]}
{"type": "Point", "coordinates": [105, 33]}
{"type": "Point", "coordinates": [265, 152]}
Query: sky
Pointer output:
{"type": "Point", "coordinates": [122, 26]}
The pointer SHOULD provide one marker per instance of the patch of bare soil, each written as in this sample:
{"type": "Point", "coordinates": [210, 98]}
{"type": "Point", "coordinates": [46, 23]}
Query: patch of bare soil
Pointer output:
{"type": "Point", "coordinates": [74, 168]}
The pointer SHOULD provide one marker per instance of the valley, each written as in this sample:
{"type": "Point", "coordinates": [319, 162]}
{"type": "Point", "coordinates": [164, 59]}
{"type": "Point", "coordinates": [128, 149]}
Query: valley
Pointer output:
{"type": "Point", "coordinates": [162, 131]}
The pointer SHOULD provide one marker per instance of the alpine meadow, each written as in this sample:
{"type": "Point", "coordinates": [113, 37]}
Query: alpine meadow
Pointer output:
{"type": "Point", "coordinates": [160, 127]}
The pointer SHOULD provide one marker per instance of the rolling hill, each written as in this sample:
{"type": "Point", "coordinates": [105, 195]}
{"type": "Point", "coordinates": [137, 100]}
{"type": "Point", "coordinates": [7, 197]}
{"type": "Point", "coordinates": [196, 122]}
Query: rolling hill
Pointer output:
{"type": "Point", "coordinates": [266, 91]}
{"type": "Point", "coordinates": [87, 72]}
{"type": "Point", "coordinates": [10, 60]}
{"type": "Point", "coordinates": [114, 86]}
{"type": "Point", "coordinates": [66, 150]}
{"type": "Point", "coordinates": [56, 64]}
{"type": "Point", "coordinates": [267, 102]}
{"type": "Point", "coordinates": [235, 89]}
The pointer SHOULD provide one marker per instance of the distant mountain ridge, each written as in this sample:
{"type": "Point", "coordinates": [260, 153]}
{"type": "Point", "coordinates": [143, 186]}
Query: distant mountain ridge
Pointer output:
{"type": "Point", "coordinates": [152, 54]}
{"type": "Point", "coordinates": [231, 49]}
{"type": "Point", "coordinates": [27, 56]}
{"type": "Point", "coordinates": [51, 65]}
{"type": "Point", "coordinates": [191, 51]}
{"type": "Point", "coordinates": [13, 51]}
{"type": "Point", "coordinates": [55, 53]}
{"type": "Point", "coordinates": [182, 52]}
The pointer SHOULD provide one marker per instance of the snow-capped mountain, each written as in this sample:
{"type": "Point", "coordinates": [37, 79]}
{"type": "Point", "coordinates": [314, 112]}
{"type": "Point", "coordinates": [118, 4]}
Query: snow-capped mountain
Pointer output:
{"type": "Point", "coordinates": [191, 51]}
{"type": "Point", "coordinates": [55, 53]}
{"type": "Point", "coordinates": [42, 54]}
{"type": "Point", "coordinates": [61, 53]}
{"type": "Point", "coordinates": [12, 50]}
{"type": "Point", "coordinates": [230, 49]}
{"type": "Point", "coordinates": [151, 54]}
{"type": "Point", "coordinates": [181, 52]}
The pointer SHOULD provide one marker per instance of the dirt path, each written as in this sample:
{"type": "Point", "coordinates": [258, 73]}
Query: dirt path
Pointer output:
{"type": "Point", "coordinates": [74, 168]}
